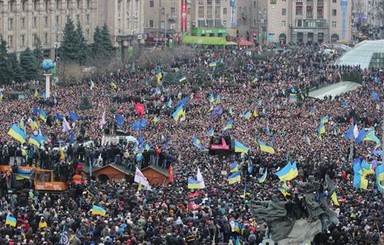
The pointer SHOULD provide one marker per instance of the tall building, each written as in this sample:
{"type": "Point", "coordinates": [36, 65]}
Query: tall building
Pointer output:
{"type": "Point", "coordinates": [123, 17]}
{"type": "Point", "coordinates": [368, 18]}
{"type": "Point", "coordinates": [23, 21]}
{"type": "Point", "coordinates": [309, 21]}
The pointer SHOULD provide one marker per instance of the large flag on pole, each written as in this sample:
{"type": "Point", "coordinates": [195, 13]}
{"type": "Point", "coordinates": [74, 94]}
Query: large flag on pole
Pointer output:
{"type": "Point", "coordinates": [200, 178]}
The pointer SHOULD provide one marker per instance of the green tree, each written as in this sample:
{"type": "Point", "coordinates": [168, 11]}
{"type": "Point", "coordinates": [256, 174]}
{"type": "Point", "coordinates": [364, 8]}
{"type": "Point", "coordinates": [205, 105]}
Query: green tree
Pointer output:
{"type": "Point", "coordinates": [69, 47]}
{"type": "Point", "coordinates": [4, 75]}
{"type": "Point", "coordinates": [102, 47]}
{"type": "Point", "coordinates": [30, 64]}
{"type": "Point", "coordinates": [107, 43]}
{"type": "Point", "coordinates": [15, 71]}
{"type": "Point", "coordinates": [81, 44]}
{"type": "Point", "coordinates": [38, 50]}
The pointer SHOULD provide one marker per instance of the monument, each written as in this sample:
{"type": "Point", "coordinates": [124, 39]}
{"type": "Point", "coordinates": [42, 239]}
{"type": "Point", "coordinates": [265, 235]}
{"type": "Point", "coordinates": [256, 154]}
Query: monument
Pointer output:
{"type": "Point", "coordinates": [47, 65]}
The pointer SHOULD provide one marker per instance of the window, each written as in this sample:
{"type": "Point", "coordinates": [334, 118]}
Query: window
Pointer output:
{"type": "Point", "coordinates": [78, 4]}
{"type": "Point", "coordinates": [283, 23]}
{"type": "Point", "coordinates": [334, 1]}
{"type": "Point", "coordinates": [217, 12]}
{"type": "Point", "coordinates": [10, 41]}
{"type": "Point", "coordinates": [68, 4]}
{"type": "Point", "coordinates": [22, 23]}
{"type": "Point", "coordinates": [224, 23]}
{"type": "Point", "coordinates": [209, 12]}
{"type": "Point", "coordinates": [88, 4]}
{"type": "Point", "coordinates": [57, 19]}
{"type": "Point", "coordinates": [334, 24]}
{"type": "Point", "coordinates": [45, 38]}
{"type": "Point", "coordinates": [224, 11]}
{"type": "Point", "coordinates": [46, 5]}
{"type": "Point", "coordinates": [201, 12]}
{"type": "Point", "coordinates": [299, 23]}
{"type": "Point", "coordinates": [22, 44]}
{"type": "Point", "coordinates": [334, 12]}
{"type": "Point", "coordinates": [11, 5]}
{"type": "Point", "coordinates": [10, 24]}
{"type": "Point", "coordinates": [299, 8]}
{"type": "Point", "coordinates": [57, 4]}
{"type": "Point", "coordinates": [34, 22]}
{"type": "Point", "coordinates": [283, 12]}
{"type": "Point", "coordinates": [88, 19]}
{"type": "Point", "coordinates": [151, 3]}
{"type": "Point", "coordinates": [320, 14]}
{"type": "Point", "coordinates": [201, 2]}
{"type": "Point", "coordinates": [309, 12]}
{"type": "Point", "coordinates": [151, 25]}
{"type": "Point", "coordinates": [35, 5]}
{"type": "Point", "coordinates": [218, 2]}
{"type": "Point", "coordinates": [23, 5]}
{"type": "Point", "coordinates": [209, 2]}
{"type": "Point", "coordinates": [45, 21]}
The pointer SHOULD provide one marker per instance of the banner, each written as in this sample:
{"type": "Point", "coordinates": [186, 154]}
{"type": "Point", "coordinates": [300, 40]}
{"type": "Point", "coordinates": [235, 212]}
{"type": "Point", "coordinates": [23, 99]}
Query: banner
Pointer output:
{"type": "Point", "coordinates": [183, 15]}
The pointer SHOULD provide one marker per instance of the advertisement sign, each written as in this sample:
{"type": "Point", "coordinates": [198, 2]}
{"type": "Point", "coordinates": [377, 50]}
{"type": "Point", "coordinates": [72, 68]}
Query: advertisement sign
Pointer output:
{"type": "Point", "coordinates": [233, 13]}
{"type": "Point", "coordinates": [183, 15]}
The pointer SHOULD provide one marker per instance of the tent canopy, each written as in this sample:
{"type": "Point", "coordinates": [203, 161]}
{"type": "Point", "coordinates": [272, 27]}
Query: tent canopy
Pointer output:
{"type": "Point", "coordinates": [244, 42]}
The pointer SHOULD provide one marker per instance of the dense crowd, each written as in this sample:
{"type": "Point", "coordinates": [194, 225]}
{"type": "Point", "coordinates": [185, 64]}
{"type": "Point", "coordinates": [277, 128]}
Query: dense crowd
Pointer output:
{"type": "Point", "coordinates": [222, 213]}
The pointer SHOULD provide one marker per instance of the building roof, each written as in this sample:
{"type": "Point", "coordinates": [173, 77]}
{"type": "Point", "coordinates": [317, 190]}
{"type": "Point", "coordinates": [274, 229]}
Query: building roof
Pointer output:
{"type": "Point", "coordinates": [157, 169]}
{"type": "Point", "coordinates": [118, 167]}
{"type": "Point", "coordinates": [362, 55]}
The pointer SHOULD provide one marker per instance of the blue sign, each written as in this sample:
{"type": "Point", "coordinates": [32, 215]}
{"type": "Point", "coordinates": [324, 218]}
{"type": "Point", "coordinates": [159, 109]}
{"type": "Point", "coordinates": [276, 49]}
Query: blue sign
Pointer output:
{"type": "Point", "coordinates": [344, 7]}
{"type": "Point", "coordinates": [233, 13]}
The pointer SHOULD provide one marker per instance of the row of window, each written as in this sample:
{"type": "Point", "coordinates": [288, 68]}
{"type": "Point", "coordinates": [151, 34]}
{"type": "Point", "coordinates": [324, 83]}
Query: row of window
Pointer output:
{"type": "Point", "coordinates": [209, 2]}
{"type": "Point", "coordinates": [45, 4]}
{"type": "Point", "coordinates": [45, 21]}
{"type": "Point", "coordinates": [44, 40]}
{"type": "Point", "coordinates": [310, 24]}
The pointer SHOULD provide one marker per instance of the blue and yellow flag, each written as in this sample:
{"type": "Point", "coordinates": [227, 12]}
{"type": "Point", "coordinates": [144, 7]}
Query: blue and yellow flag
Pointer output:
{"type": "Point", "coordinates": [183, 78]}
{"type": "Point", "coordinates": [229, 125]}
{"type": "Point", "coordinates": [266, 148]}
{"type": "Point", "coordinates": [234, 178]}
{"type": "Point", "coordinates": [307, 140]}
{"type": "Point", "coordinates": [34, 140]}
{"type": "Point", "coordinates": [194, 184]}
{"type": "Point", "coordinates": [288, 172]}
{"type": "Point", "coordinates": [321, 130]}
{"type": "Point", "coordinates": [96, 210]}
{"type": "Point", "coordinates": [178, 113]}
{"type": "Point", "coordinates": [43, 115]}
{"type": "Point", "coordinates": [248, 115]}
{"type": "Point", "coordinates": [196, 142]}
{"type": "Point", "coordinates": [211, 98]}
{"type": "Point", "coordinates": [380, 178]}
{"type": "Point", "coordinates": [10, 221]}
{"type": "Point", "coordinates": [155, 119]}
{"type": "Point", "coordinates": [334, 199]}
{"type": "Point", "coordinates": [240, 148]}
{"type": "Point", "coordinates": [17, 133]}
{"type": "Point", "coordinates": [283, 191]}
{"type": "Point", "coordinates": [234, 167]}
{"type": "Point", "coordinates": [324, 119]}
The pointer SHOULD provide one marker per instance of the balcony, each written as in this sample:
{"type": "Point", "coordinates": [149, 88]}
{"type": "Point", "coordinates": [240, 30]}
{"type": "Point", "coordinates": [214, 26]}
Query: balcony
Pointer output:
{"type": "Point", "coordinates": [310, 23]}
{"type": "Point", "coordinates": [171, 17]}
{"type": "Point", "coordinates": [320, 2]}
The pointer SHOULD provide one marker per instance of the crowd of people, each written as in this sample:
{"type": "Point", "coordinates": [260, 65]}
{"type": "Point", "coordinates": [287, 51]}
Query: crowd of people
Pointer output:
{"type": "Point", "coordinates": [220, 213]}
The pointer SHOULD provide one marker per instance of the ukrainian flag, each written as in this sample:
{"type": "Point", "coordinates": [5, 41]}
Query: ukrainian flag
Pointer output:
{"type": "Point", "coordinates": [240, 148]}
{"type": "Point", "coordinates": [370, 136]}
{"type": "Point", "coordinates": [283, 191]}
{"type": "Point", "coordinates": [211, 98]}
{"type": "Point", "coordinates": [380, 178]}
{"type": "Point", "coordinates": [34, 140]}
{"type": "Point", "coordinates": [182, 79]}
{"type": "Point", "coordinates": [213, 64]}
{"type": "Point", "coordinates": [17, 133]}
{"type": "Point", "coordinates": [234, 178]}
{"type": "Point", "coordinates": [234, 167]}
{"type": "Point", "coordinates": [367, 168]}
{"type": "Point", "coordinates": [196, 142]}
{"type": "Point", "coordinates": [10, 221]}
{"type": "Point", "coordinates": [218, 99]}
{"type": "Point", "coordinates": [210, 132]}
{"type": "Point", "coordinates": [320, 130]}
{"type": "Point", "coordinates": [96, 210]}
{"type": "Point", "coordinates": [266, 148]}
{"type": "Point", "coordinates": [229, 124]}
{"type": "Point", "coordinates": [43, 115]}
{"type": "Point", "coordinates": [248, 115]}
{"type": "Point", "coordinates": [178, 113]}
{"type": "Point", "coordinates": [34, 125]}
{"type": "Point", "coordinates": [288, 172]}
{"type": "Point", "coordinates": [255, 114]}
{"type": "Point", "coordinates": [264, 177]}
{"type": "Point", "coordinates": [324, 119]}
{"type": "Point", "coordinates": [194, 184]}
{"type": "Point", "coordinates": [359, 180]}
{"type": "Point", "coordinates": [155, 119]}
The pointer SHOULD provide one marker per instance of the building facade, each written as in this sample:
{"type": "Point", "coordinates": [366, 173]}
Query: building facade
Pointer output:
{"type": "Point", "coordinates": [23, 21]}
{"type": "Point", "coordinates": [368, 18]}
{"type": "Point", "coordinates": [309, 21]}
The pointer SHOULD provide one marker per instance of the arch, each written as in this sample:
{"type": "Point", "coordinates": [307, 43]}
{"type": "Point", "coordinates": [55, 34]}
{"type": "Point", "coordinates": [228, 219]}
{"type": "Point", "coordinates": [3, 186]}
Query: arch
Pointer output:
{"type": "Point", "coordinates": [103, 178]}
{"type": "Point", "coordinates": [334, 38]}
{"type": "Point", "coordinates": [282, 38]}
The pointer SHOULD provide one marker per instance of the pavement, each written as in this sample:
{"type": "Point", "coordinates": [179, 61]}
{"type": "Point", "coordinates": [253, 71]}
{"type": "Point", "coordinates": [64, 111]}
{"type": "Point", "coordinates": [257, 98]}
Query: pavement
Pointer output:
{"type": "Point", "coordinates": [334, 89]}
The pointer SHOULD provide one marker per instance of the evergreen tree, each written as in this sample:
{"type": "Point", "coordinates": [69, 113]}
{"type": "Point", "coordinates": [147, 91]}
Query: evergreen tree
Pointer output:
{"type": "Point", "coordinates": [38, 51]}
{"type": "Point", "coordinates": [4, 76]}
{"type": "Point", "coordinates": [69, 47]}
{"type": "Point", "coordinates": [106, 39]}
{"type": "Point", "coordinates": [30, 64]}
{"type": "Point", "coordinates": [81, 44]}
{"type": "Point", "coordinates": [15, 71]}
